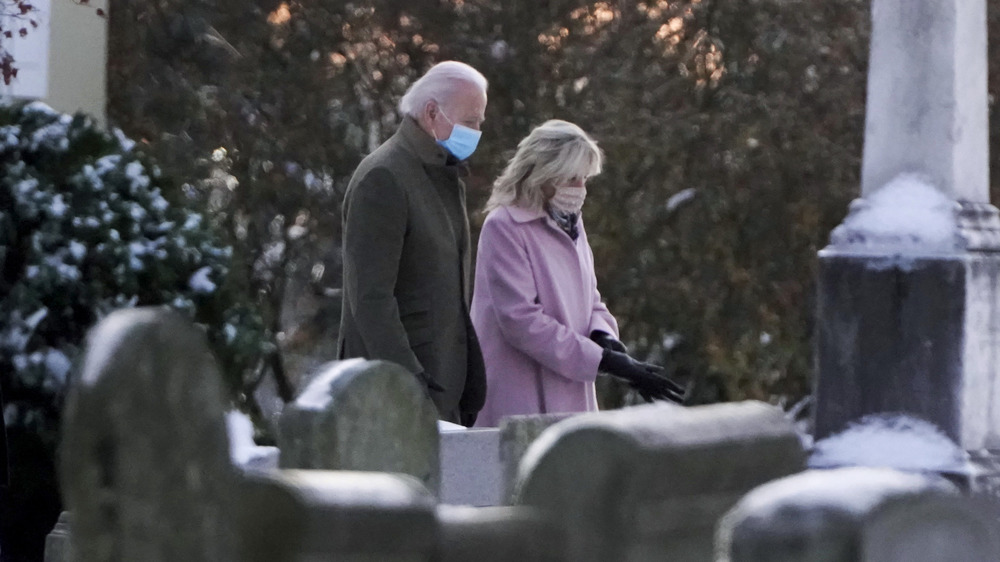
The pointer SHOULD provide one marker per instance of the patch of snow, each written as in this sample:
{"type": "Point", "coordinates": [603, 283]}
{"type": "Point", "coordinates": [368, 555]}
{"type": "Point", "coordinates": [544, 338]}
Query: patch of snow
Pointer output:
{"type": "Point", "coordinates": [890, 440]}
{"type": "Point", "coordinates": [200, 283]}
{"type": "Point", "coordinates": [316, 396]}
{"type": "Point", "coordinates": [58, 207]}
{"type": "Point", "coordinates": [230, 332]}
{"type": "Point", "coordinates": [57, 367]}
{"type": "Point", "coordinates": [127, 143]}
{"type": "Point", "coordinates": [679, 198]}
{"type": "Point", "coordinates": [854, 490]}
{"type": "Point", "coordinates": [446, 426]}
{"type": "Point", "coordinates": [77, 249]}
{"type": "Point", "coordinates": [908, 215]}
{"type": "Point", "coordinates": [136, 172]}
{"type": "Point", "coordinates": [243, 450]}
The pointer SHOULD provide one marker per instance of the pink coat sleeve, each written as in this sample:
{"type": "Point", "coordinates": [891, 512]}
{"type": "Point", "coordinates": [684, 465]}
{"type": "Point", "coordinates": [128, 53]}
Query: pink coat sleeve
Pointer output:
{"type": "Point", "coordinates": [523, 323]}
{"type": "Point", "coordinates": [601, 318]}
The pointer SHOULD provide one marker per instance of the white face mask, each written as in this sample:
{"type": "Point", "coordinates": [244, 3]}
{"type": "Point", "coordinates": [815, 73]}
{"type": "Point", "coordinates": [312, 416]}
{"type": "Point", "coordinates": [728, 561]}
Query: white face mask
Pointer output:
{"type": "Point", "coordinates": [568, 199]}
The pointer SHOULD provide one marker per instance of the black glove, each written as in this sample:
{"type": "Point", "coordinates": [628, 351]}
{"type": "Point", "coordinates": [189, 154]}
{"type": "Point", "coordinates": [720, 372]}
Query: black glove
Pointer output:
{"type": "Point", "coordinates": [647, 379]}
{"type": "Point", "coordinates": [428, 383]}
{"type": "Point", "coordinates": [468, 419]}
{"type": "Point", "coordinates": [607, 341]}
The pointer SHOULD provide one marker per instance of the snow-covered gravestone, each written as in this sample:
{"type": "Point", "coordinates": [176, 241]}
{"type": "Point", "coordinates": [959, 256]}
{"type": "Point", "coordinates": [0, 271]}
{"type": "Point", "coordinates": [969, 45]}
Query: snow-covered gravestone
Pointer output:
{"type": "Point", "coordinates": [364, 416]}
{"type": "Point", "coordinates": [858, 514]}
{"type": "Point", "coordinates": [650, 482]}
{"type": "Point", "coordinates": [909, 303]}
{"type": "Point", "coordinates": [144, 465]}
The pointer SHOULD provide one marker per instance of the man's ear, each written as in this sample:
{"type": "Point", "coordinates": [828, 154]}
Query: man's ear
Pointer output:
{"type": "Point", "coordinates": [430, 110]}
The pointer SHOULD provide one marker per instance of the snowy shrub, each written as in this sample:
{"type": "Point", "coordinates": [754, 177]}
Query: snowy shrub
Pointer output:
{"type": "Point", "coordinates": [86, 228]}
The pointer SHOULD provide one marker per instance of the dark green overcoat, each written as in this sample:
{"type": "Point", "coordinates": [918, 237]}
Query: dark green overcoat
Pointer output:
{"type": "Point", "coordinates": [407, 266]}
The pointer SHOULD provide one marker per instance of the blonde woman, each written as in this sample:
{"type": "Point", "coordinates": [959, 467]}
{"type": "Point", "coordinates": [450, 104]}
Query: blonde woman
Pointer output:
{"type": "Point", "coordinates": [544, 332]}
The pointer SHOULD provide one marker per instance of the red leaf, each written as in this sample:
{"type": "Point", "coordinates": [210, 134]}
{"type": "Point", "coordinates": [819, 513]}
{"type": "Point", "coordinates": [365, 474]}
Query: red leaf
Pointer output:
{"type": "Point", "coordinates": [8, 34]}
{"type": "Point", "coordinates": [23, 32]}
{"type": "Point", "coordinates": [101, 12]}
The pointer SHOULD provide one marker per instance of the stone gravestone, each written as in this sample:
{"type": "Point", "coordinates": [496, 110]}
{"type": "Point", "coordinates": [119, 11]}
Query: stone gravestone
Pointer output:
{"type": "Point", "coordinates": [932, 529]}
{"type": "Point", "coordinates": [498, 534]}
{"type": "Point", "coordinates": [319, 516]}
{"type": "Point", "coordinates": [821, 515]}
{"type": "Point", "coordinates": [364, 416]}
{"type": "Point", "coordinates": [908, 304]}
{"type": "Point", "coordinates": [144, 467]}
{"type": "Point", "coordinates": [517, 433]}
{"type": "Point", "coordinates": [650, 482]}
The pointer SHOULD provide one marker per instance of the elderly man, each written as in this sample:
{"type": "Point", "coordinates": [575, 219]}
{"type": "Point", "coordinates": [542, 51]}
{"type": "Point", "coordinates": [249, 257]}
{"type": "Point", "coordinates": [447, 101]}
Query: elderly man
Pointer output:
{"type": "Point", "coordinates": [407, 248]}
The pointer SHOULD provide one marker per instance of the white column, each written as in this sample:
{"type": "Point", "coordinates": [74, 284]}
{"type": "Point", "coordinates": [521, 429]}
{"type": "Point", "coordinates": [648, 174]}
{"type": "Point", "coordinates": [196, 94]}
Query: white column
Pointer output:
{"type": "Point", "coordinates": [927, 97]}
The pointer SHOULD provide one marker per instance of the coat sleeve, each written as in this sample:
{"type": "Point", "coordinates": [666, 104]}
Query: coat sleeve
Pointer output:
{"type": "Point", "coordinates": [374, 232]}
{"type": "Point", "coordinates": [600, 317]}
{"type": "Point", "coordinates": [523, 323]}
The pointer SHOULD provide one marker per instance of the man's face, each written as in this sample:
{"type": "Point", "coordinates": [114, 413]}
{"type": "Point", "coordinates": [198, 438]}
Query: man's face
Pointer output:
{"type": "Point", "coordinates": [466, 106]}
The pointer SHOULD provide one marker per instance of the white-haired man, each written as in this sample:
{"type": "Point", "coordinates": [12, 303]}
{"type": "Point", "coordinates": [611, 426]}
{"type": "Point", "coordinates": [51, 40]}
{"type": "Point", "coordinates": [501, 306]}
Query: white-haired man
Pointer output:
{"type": "Point", "coordinates": [406, 244]}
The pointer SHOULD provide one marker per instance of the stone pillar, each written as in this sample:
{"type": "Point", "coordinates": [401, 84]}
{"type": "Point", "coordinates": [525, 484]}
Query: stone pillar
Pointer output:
{"type": "Point", "coordinates": [908, 301]}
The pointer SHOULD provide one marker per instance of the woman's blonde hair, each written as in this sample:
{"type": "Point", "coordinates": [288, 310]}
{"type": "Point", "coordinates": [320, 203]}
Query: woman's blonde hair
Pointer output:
{"type": "Point", "coordinates": [554, 151]}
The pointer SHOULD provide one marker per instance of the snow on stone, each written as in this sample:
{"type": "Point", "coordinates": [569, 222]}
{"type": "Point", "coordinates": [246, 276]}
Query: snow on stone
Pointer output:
{"type": "Point", "coordinates": [243, 451]}
{"type": "Point", "coordinates": [107, 339]}
{"type": "Point", "coordinates": [446, 426]}
{"type": "Point", "coordinates": [855, 490]}
{"type": "Point", "coordinates": [316, 396]}
{"type": "Point", "coordinates": [200, 283]}
{"type": "Point", "coordinates": [890, 440]}
{"type": "Point", "coordinates": [908, 214]}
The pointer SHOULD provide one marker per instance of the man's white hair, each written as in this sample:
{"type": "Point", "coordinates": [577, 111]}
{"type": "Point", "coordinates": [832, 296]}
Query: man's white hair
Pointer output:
{"type": "Point", "coordinates": [437, 85]}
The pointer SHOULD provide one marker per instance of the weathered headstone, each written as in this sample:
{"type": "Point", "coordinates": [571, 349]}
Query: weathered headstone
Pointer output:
{"type": "Point", "coordinates": [908, 303]}
{"type": "Point", "coordinates": [318, 516]}
{"type": "Point", "coordinates": [498, 534]}
{"type": "Point", "coordinates": [471, 473]}
{"type": "Point", "coordinates": [517, 433]}
{"type": "Point", "coordinates": [145, 468]}
{"type": "Point", "coordinates": [364, 416]}
{"type": "Point", "coordinates": [650, 482]}
{"type": "Point", "coordinates": [932, 529]}
{"type": "Point", "coordinates": [818, 515]}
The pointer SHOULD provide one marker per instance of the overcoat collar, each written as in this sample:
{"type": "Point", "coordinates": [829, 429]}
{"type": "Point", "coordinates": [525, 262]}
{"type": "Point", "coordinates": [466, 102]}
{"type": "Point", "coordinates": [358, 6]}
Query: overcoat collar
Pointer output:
{"type": "Point", "coordinates": [422, 144]}
{"type": "Point", "coordinates": [522, 214]}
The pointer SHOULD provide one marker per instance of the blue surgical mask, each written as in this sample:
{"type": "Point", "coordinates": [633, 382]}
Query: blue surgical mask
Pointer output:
{"type": "Point", "coordinates": [462, 142]}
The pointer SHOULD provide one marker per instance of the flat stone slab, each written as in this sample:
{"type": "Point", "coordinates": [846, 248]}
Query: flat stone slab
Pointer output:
{"type": "Point", "coordinates": [471, 473]}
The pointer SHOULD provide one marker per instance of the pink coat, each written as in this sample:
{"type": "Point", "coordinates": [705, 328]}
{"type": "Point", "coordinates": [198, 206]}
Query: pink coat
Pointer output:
{"type": "Point", "coordinates": [534, 305]}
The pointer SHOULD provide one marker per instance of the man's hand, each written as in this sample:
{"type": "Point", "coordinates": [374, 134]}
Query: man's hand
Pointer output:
{"type": "Point", "coordinates": [607, 341]}
{"type": "Point", "coordinates": [647, 379]}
